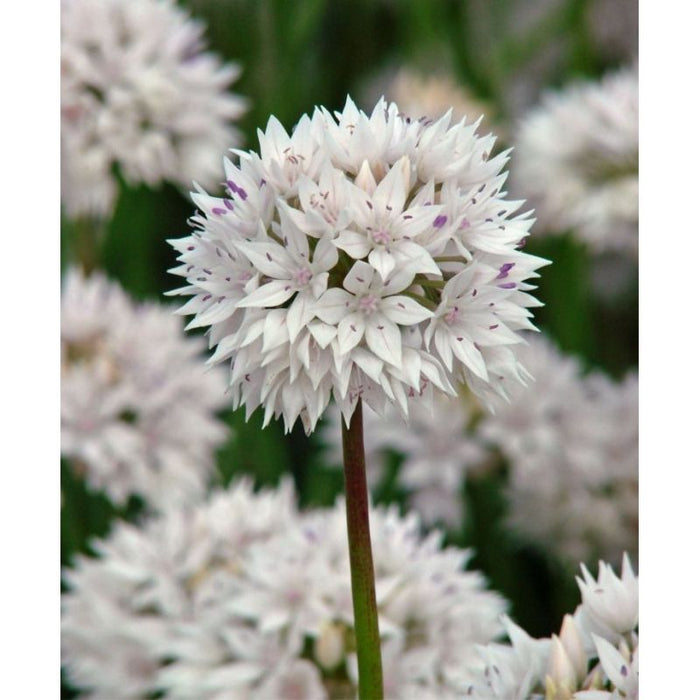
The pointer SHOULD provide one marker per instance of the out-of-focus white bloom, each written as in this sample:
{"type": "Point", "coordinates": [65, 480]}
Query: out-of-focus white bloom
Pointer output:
{"type": "Point", "coordinates": [139, 92]}
{"type": "Point", "coordinates": [558, 668]}
{"type": "Point", "coordinates": [335, 250]}
{"type": "Point", "coordinates": [430, 95]}
{"type": "Point", "coordinates": [577, 156]}
{"type": "Point", "coordinates": [572, 448]}
{"type": "Point", "coordinates": [226, 598]}
{"type": "Point", "coordinates": [137, 405]}
{"type": "Point", "coordinates": [437, 453]}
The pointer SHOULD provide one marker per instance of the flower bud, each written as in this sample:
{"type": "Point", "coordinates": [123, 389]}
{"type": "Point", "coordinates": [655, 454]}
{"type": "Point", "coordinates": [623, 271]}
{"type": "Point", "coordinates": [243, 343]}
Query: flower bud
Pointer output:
{"type": "Point", "coordinates": [329, 647]}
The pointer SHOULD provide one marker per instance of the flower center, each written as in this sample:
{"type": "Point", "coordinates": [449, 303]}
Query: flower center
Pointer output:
{"type": "Point", "coordinates": [382, 237]}
{"type": "Point", "coordinates": [451, 316]}
{"type": "Point", "coordinates": [302, 276]}
{"type": "Point", "coordinates": [368, 304]}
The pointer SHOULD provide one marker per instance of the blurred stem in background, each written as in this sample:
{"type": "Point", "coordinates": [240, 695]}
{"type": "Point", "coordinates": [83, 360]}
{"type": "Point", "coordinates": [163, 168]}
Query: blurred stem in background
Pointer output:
{"type": "Point", "coordinates": [84, 238]}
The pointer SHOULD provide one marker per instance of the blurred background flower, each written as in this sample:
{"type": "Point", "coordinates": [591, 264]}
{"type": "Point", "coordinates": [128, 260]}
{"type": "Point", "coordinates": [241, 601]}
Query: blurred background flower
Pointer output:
{"type": "Point", "coordinates": [138, 405]}
{"type": "Point", "coordinates": [139, 93]}
{"type": "Point", "coordinates": [244, 596]}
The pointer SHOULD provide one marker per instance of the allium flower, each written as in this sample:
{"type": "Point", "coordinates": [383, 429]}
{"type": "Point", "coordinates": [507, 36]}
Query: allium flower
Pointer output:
{"type": "Point", "coordinates": [577, 158]}
{"type": "Point", "coordinates": [137, 406]}
{"type": "Point", "coordinates": [138, 92]}
{"type": "Point", "coordinates": [572, 448]}
{"type": "Point", "coordinates": [244, 597]}
{"type": "Point", "coordinates": [575, 664]}
{"type": "Point", "coordinates": [349, 260]}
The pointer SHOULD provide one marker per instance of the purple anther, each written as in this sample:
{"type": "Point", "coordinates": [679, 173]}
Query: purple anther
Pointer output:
{"type": "Point", "coordinates": [229, 204]}
{"type": "Point", "coordinates": [219, 211]}
{"type": "Point", "coordinates": [235, 189]}
{"type": "Point", "coordinates": [508, 285]}
{"type": "Point", "coordinates": [493, 328]}
{"type": "Point", "coordinates": [440, 221]}
{"type": "Point", "coordinates": [505, 269]}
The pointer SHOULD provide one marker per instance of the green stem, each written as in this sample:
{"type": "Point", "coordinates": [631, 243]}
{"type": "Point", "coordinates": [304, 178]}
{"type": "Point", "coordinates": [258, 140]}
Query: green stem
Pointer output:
{"type": "Point", "coordinates": [423, 301]}
{"type": "Point", "coordinates": [369, 659]}
{"type": "Point", "coordinates": [450, 258]}
{"type": "Point", "coordinates": [434, 284]}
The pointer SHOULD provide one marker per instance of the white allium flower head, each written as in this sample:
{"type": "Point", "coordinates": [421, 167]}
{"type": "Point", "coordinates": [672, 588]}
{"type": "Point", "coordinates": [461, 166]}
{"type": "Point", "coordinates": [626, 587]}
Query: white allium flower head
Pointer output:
{"type": "Point", "coordinates": [138, 91]}
{"type": "Point", "coordinates": [362, 256]}
{"type": "Point", "coordinates": [137, 403]}
{"type": "Point", "coordinates": [572, 447]}
{"type": "Point", "coordinates": [243, 596]}
{"type": "Point", "coordinates": [577, 158]}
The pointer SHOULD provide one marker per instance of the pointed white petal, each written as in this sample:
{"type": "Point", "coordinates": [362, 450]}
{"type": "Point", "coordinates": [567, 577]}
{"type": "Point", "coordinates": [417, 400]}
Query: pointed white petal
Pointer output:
{"type": "Point", "coordinates": [271, 294]}
{"type": "Point", "coordinates": [358, 280]}
{"type": "Point", "coordinates": [384, 339]}
{"type": "Point", "coordinates": [334, 305]}
{"type": "Point", "coordinates": [403, 310]}
{"type": "Point", "coordinates": [299, 314]}
{"type": "Point", "coordinates": [382, 261]}
{"type": "Point", "coordinates": [353, 243]}
{"type": "Point", "coordinates": [350, 332]}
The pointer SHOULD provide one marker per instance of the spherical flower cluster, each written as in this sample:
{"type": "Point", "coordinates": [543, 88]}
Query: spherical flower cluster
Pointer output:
{"type": "Point", "coordinates": [362, 256]}
{"type": "Point", "coordinates": [437, 454]}
{"type": "Point", "coordinates": [594, 656]}
{"type": "Point", "coordinates": [577, 158]}
{"type": "Point", "coordinates": [245, 597]}
{"type": "Point", "coordinates": [573, 454]}
{"type": "Point", "coordinates": [138, 92]}
{"type": "Point", "coordinates": [137, 404]}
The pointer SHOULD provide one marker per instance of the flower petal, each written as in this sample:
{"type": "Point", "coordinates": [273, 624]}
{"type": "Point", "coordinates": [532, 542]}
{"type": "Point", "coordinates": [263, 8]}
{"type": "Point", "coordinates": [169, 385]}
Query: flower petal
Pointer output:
{"type": "Point", "coordinates": [269, 258]}
{"type": "Point", "coordinates": [359, 279]}
{"type": "Point", "coordinates": [353, 243]}
{"type": "Point", "coordinates": [384, 339]}
{"type": "Point", "coordinates": [382, 261]}
{"type": "Point", "coordinates": [350, 332]}
{"type": "Point", "coordinates": [299, 314]}
{"type": "Point", "coordinates": [271, 294]}
{"type": "Point", "coordinates": [403, 310]}
{"type": "Point", "coordinates": [333, 305]}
